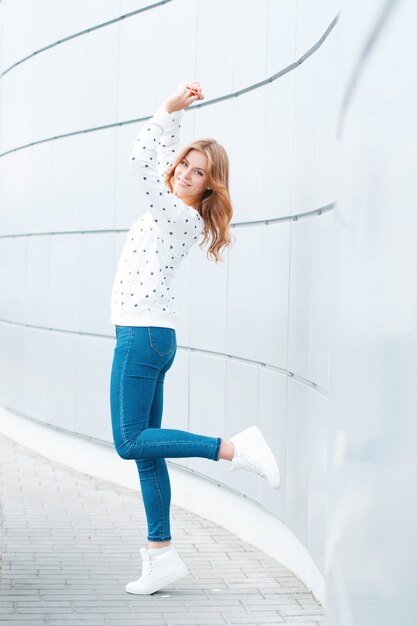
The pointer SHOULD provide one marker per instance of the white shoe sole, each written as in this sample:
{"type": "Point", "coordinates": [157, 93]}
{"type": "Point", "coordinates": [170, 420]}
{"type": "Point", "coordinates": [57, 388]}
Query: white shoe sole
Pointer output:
{"type": "Point", "coordinates": [272, 469]}
{"type": "Point", "coordinates": [162, 582]}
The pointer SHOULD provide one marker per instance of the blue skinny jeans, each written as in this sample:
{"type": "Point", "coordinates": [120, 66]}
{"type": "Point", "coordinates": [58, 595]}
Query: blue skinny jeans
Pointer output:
{"type": "Point", "coordinates": [142, 356]}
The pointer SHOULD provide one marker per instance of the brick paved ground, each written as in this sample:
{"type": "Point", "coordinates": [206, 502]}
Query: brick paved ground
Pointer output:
{"type": "Point", "coordinates": [71, 542]}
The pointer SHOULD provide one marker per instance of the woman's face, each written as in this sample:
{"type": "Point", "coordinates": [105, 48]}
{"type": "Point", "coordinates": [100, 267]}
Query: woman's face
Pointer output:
{"type": "Point", "coordinates": [190, 177]}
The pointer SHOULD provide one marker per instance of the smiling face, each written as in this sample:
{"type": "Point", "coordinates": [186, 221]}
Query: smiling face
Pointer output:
{"type": "Point", "coordinates": [190, 178]}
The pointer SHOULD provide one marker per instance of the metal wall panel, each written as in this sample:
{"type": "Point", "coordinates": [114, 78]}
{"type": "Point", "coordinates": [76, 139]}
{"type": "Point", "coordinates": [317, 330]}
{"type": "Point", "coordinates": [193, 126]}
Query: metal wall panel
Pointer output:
{"type": "Point", "coordinates": [37, 283]}
{"type": "Point", "coordinates": [244, 293]}
{"type": "Point", "coordinates": [278, 149]}
{"type": "Point", "coordinates": [371, 539]}
{"type": "Point", "coordinates": [247, 155]}
{"type": "Point", "coordinates": [301, 274]}
{"type": "Point", "coordinates": [217, 67]}
{"type": "Point", "coordinates": [92, 386]}
{"type": "Point", "coordinates": [207, 408]}
{"type": "Point", "coordinates": [64, 291]}
{"type": "Point", "coordinates": [249, 28]}
{"type": "Point", "coordinates": [95, 267]}
{"type": "Point", "coordinates": [272, 420]}
{"type": "Point", "coordinates": [297, 459]}
{"type": "Point", "coordinates": [61, 350]}
{"type": "Point", "coordinates": [241, 411]}
{"type": "Point", "coordinates": [321, 303]}
{"type": "Point", "coordinates": [208, 301]}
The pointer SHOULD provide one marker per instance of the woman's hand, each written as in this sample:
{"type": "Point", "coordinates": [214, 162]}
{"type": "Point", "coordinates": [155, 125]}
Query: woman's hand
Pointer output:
{"type": "Point", "coordinates": [183, 96]}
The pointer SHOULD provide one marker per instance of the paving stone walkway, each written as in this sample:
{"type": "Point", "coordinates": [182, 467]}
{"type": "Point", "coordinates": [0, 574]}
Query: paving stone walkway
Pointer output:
{"type": "Point", "coordinates": [70, 542]}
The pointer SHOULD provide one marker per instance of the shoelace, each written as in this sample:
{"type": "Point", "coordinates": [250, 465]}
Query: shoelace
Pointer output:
{"type": "Point", "coordinates": [148, 568]}
{"type": "Point", "coordinates": [255, 464]}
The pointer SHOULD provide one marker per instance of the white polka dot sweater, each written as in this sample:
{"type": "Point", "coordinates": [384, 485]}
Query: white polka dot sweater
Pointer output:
{"type": "Point", "coordinates": [158, 241]}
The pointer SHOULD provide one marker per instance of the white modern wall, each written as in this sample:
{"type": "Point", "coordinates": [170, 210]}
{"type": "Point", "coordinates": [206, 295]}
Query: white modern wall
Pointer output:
{"type": "Point", "coordinates": [254, 334]}
{"type": "Point", "coordinates": [371, 543]}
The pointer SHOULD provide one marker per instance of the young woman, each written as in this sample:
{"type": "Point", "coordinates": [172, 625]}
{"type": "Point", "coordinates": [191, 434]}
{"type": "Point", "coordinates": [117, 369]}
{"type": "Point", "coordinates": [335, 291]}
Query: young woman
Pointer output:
{"type": "Point", "coordinates": [187, 199]}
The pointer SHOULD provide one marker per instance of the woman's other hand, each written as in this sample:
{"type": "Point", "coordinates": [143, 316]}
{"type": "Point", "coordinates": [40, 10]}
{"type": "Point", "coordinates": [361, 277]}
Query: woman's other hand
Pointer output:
{"type": "Point", "coordinates": [183, 96]}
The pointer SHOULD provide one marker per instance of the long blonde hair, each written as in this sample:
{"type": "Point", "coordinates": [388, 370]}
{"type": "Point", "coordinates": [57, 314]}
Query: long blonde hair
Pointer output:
{"type": "Point", "coordinates": [214, 206]}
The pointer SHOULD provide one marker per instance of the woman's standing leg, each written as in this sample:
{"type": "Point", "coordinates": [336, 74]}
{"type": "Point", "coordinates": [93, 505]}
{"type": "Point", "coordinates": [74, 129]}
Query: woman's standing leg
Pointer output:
{"type": "Point", "coordinates": [154, 477]}
{"type": "Point", "coordinates": [136, 406]}
{"type": "Point", "coordinates": [138, 373]}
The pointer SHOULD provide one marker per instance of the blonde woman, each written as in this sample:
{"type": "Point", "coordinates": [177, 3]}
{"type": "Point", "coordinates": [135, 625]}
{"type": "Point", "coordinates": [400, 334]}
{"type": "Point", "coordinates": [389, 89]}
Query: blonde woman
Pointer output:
{"type": "Point", "coordinates": [187, 202]}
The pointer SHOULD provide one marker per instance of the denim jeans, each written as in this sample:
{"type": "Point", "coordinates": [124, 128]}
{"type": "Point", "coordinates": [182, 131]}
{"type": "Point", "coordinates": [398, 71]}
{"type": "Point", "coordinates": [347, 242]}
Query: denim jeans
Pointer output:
{"type": "Point", "coordinates": [142, 356]}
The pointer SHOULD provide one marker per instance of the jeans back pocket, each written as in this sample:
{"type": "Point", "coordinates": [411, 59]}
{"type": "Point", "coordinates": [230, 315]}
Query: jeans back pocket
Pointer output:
{"type": "Point", "coordinates": [162, 340]}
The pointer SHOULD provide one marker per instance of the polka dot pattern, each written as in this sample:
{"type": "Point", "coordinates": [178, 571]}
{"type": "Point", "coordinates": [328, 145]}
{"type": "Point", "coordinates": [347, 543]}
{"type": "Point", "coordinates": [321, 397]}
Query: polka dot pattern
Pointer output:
{"type": "Point", "coordinates": [159, 240]}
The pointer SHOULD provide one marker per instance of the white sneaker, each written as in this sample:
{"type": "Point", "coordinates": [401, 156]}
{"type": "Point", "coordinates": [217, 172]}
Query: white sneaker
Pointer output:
{"type": "Point", "coordinates": [158, 571]}
{"type": "Point", "coordinates": [252, 453]}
